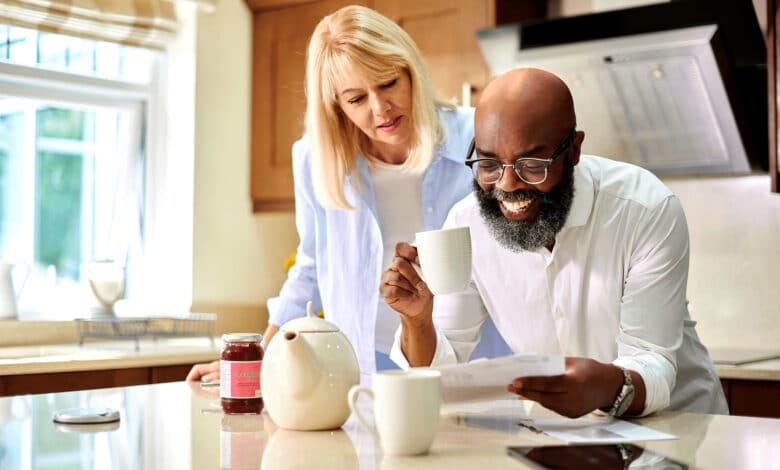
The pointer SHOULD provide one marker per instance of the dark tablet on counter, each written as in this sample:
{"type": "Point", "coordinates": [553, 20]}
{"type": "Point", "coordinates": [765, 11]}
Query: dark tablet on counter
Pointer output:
{"type": "Point", "coordinates": [601, 457]}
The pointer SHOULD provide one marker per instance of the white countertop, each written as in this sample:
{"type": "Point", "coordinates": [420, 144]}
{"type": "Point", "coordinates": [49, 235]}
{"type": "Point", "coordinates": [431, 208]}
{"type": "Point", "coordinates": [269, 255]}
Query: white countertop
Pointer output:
{"type": "Point", "coordinates": [179, 425]}
{"type": "Point", "coordinates": [18, 360]}
{"type": "Point", "coordinates": [763, 370]}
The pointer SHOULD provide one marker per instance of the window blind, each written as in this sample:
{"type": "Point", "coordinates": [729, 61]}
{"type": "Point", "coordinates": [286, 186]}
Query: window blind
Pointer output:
{"type": "Point", "coordinates": [142, 23]}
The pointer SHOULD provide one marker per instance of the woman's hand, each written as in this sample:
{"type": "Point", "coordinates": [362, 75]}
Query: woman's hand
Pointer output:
{"type": "Point", "coordinates": [210, 372]}
{"type": "Point", "coordinates": [204, 372]}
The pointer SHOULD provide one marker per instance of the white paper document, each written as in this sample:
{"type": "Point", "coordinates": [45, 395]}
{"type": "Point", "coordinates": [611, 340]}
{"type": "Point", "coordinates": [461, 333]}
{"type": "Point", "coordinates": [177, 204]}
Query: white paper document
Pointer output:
{"type": "Point", "coordinates": [594, 430]}
{"type": "Point", "coordinates": [486, 379]}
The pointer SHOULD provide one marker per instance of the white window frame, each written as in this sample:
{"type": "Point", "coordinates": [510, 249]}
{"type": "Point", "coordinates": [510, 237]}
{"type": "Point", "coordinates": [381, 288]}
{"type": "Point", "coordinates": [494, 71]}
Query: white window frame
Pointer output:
{"type": "Point", "coordinates": [165, 287]}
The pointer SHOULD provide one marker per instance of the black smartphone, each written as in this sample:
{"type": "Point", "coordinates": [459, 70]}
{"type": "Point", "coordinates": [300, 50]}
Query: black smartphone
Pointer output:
{"type": "Point", "coordinates": [602, 457]}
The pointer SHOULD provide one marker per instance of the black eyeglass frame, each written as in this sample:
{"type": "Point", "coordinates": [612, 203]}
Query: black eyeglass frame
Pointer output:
{"type": "Point", "coordinates": [545, 161]}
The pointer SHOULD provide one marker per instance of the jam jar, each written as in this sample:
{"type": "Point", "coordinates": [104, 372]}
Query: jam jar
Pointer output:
{"type": "Point", "coordinates": [239, 370]}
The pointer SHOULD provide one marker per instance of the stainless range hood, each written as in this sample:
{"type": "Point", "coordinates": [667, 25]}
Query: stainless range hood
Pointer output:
{"type": "Point", "coordinates": [661, 86]}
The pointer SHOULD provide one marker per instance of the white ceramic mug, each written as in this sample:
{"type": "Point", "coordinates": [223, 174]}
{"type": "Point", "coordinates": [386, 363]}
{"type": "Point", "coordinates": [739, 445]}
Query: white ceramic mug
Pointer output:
{"type": "Point", "coordinates": [406, 409]}
{"type": "Point", "coordinates": [445, 259]}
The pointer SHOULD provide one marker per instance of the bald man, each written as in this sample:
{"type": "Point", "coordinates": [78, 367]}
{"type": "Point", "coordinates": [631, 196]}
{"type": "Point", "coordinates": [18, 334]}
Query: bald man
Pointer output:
{"type": "Point", "coordinates": [572, 254]}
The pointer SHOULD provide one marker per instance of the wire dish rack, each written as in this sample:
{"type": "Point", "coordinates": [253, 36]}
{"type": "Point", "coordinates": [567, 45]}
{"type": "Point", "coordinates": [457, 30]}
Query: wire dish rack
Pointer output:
{"type": "Point", "coordinates": [196, 324]}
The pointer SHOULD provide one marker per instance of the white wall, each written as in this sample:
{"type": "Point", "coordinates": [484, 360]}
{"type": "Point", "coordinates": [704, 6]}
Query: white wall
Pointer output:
{"type": "Point", "coordinates": [237, 256]}
{"type": "Point", "coordinates": [734, 281]}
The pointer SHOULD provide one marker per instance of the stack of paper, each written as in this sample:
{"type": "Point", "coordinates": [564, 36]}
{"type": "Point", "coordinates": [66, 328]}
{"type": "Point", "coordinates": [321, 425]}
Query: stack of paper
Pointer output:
{"type": "Point", "coordinates": [487, 379]}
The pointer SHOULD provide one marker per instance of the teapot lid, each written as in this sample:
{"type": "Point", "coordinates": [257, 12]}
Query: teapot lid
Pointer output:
{"type": "Point", "coordinates": [310, 323]}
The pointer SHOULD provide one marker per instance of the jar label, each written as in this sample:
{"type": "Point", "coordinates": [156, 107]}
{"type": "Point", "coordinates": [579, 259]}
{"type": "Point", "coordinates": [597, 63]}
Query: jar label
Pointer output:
{"type": "Point", "coordinates": [239, 379]}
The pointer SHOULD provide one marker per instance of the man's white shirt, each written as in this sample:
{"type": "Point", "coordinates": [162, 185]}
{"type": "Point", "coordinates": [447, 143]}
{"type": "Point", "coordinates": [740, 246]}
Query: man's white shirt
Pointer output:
{"type": "Point", "coordinates": [612, 289]}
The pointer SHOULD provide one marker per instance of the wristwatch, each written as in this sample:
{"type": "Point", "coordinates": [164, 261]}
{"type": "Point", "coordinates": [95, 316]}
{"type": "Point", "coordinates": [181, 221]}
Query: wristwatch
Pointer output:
{"type": "Point", "coordinates": [625, 397]}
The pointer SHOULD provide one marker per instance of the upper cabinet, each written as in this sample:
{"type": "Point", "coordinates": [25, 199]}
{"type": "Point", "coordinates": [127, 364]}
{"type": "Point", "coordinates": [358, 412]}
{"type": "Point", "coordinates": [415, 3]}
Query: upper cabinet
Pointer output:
{"type": "Point", "coordinates": [444, 30]}
{"type": "Point", "coordinates": [773, 80]}
{"type": "Point", "coordinates": [279, 45]}
{"type": "Point", "coordinates": [445, 33]}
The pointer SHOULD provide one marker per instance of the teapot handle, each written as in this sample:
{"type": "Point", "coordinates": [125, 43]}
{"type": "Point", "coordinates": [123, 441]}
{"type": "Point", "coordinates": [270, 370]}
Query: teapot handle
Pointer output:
{"type": "Point", "coordinates": [352, 398]}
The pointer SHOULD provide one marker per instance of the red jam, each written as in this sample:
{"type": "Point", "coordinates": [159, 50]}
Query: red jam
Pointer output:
{"type": "Point", "coordinates": [239, 370]}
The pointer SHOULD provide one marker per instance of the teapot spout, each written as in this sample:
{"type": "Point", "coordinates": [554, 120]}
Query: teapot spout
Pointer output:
{"type": "Point", "coordinates": [304, 371]}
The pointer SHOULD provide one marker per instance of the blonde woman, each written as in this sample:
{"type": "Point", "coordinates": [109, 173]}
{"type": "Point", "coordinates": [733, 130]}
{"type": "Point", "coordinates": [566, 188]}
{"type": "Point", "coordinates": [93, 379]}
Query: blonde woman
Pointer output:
{"type": "Point", "coordinates": [382, 158]}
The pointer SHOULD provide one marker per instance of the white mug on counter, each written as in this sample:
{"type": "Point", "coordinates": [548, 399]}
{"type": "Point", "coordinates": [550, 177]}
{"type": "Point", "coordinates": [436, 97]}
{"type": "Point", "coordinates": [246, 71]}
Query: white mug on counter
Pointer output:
{"type": "Point", "coordinates": [406, 409]}
{"type": "Point", "coordinates": [445, 259]}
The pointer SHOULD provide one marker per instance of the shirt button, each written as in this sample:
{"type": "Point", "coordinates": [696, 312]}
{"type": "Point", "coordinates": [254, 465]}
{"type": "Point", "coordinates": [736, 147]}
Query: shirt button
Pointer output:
{"type": "Point", "coordinates": [430, 210]}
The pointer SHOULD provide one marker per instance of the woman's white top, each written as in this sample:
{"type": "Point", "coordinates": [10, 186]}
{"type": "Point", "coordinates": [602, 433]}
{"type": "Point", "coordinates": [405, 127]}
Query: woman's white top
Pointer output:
{"type": "Point", "coordinates": [399, 210]}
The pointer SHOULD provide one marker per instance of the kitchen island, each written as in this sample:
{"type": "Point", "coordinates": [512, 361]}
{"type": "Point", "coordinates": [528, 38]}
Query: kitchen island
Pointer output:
{"type": "Point", "coordinates": [181, 426]}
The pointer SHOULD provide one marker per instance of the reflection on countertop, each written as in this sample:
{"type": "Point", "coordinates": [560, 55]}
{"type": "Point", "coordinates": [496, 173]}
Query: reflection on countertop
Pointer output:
{"type": "Point", "coordinates": [179, 425]}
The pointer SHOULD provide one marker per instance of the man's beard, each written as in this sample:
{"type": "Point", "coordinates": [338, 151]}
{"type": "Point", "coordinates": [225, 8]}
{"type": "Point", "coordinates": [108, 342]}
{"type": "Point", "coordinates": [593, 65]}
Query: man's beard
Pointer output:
{"type": "Point", "coordinates": [521, 235]}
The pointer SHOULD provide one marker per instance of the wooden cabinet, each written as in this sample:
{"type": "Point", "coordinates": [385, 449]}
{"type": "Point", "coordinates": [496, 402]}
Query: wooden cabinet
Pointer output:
{"type": "Point", "coordinates": [445, 32]}
{"type": "Point", "coordinates": [759, 398]}
{"type": "Point", "coordinates": [279, 45]}
{"type": "Point", "coordinates": [773, 80]}
{"type": "Point", "coordinates": [84, 380]}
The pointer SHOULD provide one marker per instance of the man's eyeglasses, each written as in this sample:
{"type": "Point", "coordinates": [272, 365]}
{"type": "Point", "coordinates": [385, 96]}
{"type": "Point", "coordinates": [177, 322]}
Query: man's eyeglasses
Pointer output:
{"type": "Point", "coordinates": [530, 170]}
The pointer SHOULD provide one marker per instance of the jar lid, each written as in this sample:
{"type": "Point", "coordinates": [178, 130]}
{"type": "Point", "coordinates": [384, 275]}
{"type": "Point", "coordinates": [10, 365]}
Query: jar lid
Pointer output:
{"type": "Point", "coordinates": [242, 338]}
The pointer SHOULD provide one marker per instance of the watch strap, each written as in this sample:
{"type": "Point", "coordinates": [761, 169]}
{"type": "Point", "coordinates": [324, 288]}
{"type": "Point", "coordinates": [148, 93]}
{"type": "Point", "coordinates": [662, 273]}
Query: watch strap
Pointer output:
{"type": "Point", "coordinates": [625, 397]}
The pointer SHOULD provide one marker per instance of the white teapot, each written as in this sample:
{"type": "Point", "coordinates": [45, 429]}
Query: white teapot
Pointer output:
{"type": "Point", "coordinates": [308, 369]}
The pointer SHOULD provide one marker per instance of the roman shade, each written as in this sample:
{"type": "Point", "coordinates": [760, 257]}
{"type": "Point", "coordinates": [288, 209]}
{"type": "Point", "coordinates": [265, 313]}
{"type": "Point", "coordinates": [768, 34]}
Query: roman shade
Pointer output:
{"type": "Point", "coordinates": [142, 23]}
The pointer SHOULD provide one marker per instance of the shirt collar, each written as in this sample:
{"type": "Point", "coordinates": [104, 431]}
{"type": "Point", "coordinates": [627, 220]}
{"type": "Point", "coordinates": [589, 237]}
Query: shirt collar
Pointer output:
{"type": "Point", "coordinates": [583, 199]}
{"type": "Point", "coordinates": [442, 150]}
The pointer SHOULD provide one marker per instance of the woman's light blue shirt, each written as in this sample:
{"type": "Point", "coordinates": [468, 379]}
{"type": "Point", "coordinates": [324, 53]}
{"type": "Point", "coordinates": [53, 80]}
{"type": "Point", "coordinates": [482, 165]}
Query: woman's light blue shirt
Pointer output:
{"type": "Point", "coordinates": [338, 261]}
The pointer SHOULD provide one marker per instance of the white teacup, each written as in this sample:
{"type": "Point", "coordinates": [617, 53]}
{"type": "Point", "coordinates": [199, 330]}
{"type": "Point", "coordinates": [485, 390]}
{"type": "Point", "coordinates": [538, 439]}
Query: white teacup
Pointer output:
{"type": "Point", "coordinates": [406, 409]}
{"type": "Point", "coordinates": [445, 259]}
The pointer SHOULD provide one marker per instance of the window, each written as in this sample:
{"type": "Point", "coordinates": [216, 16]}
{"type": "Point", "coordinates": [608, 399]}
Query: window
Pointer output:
{"type": "Point", "coordinates": [72, 159]}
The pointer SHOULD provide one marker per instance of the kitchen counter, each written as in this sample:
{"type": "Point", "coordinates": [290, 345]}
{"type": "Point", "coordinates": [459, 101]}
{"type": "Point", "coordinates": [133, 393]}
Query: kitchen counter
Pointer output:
{"type": "Point", "coordinates": [762, 370]}
{"type": "Point", "coordinates": [180, 425]}
{"type": "Point", "coordinates": [747, 363]}
{"type": "Point", "coordinates": [68, 367]}
{"type": "Point", "coordinates": [18, 360]}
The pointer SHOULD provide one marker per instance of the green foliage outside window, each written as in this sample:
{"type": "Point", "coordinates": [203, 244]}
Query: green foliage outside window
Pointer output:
{"type": "Point", "coordinates": [60, 123]}
{"type": "Point", "coordinates": [58, 212]}
{"type": "Point", "coordinates": [59, 179]}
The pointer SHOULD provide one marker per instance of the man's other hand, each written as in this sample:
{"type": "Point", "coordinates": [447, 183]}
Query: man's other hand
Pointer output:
{"type": "Point", "coordinates": [585, 386]}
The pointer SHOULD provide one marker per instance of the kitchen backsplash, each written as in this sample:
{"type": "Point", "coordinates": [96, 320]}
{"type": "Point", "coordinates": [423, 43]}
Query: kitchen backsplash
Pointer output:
{"type": "Point", "coordinates": [734, 281]}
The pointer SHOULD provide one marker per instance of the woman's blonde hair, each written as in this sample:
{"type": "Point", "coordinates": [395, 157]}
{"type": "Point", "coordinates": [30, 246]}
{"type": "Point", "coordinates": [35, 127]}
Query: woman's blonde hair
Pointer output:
{"type": "Point", "coordinates": [359, 36]}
